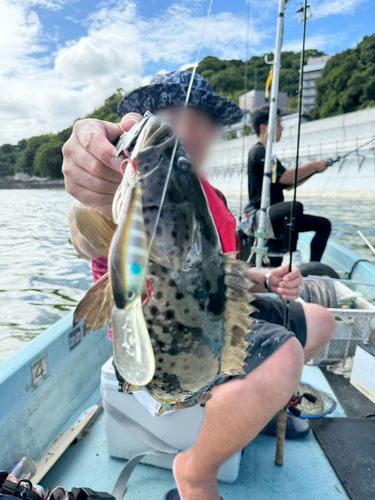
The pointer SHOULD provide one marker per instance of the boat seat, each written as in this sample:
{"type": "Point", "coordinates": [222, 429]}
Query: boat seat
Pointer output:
{"type": "Point", "coordinates": [178, 429]}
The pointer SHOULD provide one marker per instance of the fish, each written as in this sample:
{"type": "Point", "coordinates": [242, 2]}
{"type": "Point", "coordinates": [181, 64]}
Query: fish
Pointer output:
{"type": "Point", "coordinates": [196, 312]}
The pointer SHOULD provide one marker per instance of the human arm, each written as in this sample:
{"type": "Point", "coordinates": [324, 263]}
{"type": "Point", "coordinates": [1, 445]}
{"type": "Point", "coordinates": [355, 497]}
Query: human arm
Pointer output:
{"type": "Point", "coordinates": [91, 170]}
{"type": "Point", "coordinates": [281, 282]}
{"type": "Point", "coordinates": [304, 173]}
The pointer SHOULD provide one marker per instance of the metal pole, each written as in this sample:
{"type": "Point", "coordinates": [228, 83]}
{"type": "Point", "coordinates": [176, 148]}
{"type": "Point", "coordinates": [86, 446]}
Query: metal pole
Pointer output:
{"type": "Point", "coordinates": [266, 187]}
{"type": "Point", "coordinates": [293, 207]}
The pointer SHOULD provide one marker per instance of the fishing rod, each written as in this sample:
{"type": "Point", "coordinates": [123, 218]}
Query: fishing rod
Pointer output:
{"type": "Point", "coordinates": [366, 241]}
{"type": "Point", "coordinates": [260, 249]}
{"type": "Point", "coordinates": [331, 161]}
{"type": "Point", "coordinates": [294, 202]}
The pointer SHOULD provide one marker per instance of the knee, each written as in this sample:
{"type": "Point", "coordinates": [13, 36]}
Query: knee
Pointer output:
{"type": "Point", "coordinates": [299, 209]}
{"type": "Point", "coordinates": [293, 358]}
{"type": "Point", "coordinates": [321, 321]}
{"type": "Point", "coordinates": [325, 225]}
{"type": "Point", "coordinates": [328, 322]}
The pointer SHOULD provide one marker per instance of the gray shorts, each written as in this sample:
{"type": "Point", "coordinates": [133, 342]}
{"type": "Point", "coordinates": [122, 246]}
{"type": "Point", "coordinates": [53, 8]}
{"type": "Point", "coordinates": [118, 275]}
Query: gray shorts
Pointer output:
{"type": "Point", "coordinates": [269, 332]}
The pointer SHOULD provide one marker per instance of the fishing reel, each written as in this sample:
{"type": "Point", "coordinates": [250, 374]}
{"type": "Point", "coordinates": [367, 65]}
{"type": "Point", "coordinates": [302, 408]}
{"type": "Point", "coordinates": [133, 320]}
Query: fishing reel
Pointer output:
{"type": "Point", "coordinates": [331, 161]}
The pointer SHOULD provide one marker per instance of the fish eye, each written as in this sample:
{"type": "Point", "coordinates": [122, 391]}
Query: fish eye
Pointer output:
{"type": "Point", "coordinates": [130, 294]}
{"type": "Point", "coordinates": [183, 163]}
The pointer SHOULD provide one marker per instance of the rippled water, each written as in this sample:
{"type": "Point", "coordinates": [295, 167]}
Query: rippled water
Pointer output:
{"type": "Point", "coordinates": [346, 218]}
{"type": "Point", "coordinates": [42, 278]}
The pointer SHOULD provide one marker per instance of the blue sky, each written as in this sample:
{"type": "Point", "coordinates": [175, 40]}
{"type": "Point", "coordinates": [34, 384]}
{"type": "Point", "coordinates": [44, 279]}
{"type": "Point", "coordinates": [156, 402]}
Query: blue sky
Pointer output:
{"type": "Point", "coordinates": [62, 58]}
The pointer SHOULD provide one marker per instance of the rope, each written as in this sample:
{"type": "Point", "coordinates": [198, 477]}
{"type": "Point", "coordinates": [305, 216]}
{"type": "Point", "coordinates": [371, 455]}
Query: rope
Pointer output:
{"type": "Point", "coordinates": [245, 90]}
{"type": "Point", "coordinates": [320, 292]}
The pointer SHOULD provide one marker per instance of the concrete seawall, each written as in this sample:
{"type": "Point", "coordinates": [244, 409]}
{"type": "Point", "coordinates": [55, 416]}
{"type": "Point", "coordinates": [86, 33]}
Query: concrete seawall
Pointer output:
{"type": "Point", "coordinates": [351, 178]}
{"type": "Point", "coordinates": [50, 184]}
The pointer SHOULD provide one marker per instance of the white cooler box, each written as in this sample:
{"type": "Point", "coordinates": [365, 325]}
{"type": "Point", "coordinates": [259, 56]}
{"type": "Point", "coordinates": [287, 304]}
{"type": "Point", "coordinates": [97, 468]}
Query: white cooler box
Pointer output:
{"type": "Point", "coordinates": [177, 428]}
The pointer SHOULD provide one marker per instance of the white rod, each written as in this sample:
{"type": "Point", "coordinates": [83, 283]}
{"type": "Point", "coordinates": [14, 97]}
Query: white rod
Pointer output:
{"type": "Point", "coordinates": [271, 129]}
{"type": "Point", "coordinates": [366, 241]}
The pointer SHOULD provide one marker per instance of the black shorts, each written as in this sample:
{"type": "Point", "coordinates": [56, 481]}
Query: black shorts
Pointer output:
{"type": "Point", "coordinates": [272, 310]}
{"type": "Point", "coordinates": [269, 333]}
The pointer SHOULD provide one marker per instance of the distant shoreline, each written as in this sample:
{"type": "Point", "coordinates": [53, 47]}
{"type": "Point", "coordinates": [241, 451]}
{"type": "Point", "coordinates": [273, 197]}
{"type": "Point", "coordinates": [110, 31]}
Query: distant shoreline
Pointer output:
{"type": "Point", "coordinates": [51, 184]}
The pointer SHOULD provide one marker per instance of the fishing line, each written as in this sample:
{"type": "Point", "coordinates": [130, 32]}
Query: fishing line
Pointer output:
{"type": "Point", "coordinates": [175, 145]}
{"type": "Point", "coordinates": [294, 203]}
{"type": "Point", "coordinates": [339, 158]}
{"type": "Point", "coordinates": [245, 91]}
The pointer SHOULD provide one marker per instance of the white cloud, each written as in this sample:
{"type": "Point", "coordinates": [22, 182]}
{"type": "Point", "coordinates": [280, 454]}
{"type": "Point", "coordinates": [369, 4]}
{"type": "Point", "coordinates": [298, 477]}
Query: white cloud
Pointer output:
{"type": "Point", "coordinates": [333, 7]}
{"type": "Point", "coordinates": [44, 91]}
{"type": "Point", "coordinates": [319, 42]}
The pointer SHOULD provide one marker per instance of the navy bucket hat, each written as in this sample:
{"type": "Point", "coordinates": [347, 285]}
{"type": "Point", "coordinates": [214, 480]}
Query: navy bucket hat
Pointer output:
{"type": "Point", "coordinates": [169, 91]}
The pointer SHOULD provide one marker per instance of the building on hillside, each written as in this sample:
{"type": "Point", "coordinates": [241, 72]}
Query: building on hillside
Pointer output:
{"type": "Point", "coordinates": [311, 71]}
{"type": "Point", "coordinates": [257, 98]}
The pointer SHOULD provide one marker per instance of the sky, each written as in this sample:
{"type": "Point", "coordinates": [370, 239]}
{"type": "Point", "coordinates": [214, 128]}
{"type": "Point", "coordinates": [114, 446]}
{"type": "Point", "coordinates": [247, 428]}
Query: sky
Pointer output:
{"type": "Point", "coordinates": [60, 59]}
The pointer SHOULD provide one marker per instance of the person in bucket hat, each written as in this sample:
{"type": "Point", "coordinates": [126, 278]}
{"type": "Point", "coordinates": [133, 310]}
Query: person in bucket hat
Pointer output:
{"type": "Point", "coordinates": [170, 90]}
{"type": "Point", "coordinates": [241, 406]}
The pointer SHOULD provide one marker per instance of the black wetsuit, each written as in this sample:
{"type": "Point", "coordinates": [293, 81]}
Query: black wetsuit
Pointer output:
{"type": "Point", "coordinates": [280, 210]}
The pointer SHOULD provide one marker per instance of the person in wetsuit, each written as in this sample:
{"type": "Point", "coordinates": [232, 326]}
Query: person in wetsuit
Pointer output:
{"type": "Point", "coordinates": [279, 211]}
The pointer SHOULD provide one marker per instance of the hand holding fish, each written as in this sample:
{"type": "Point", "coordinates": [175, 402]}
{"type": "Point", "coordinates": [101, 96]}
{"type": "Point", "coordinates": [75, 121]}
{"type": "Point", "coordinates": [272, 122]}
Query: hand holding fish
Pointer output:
{"type": "Point", "coordinates": [90, 167]}
{"type": "Point", "coordinates": [286, 284]}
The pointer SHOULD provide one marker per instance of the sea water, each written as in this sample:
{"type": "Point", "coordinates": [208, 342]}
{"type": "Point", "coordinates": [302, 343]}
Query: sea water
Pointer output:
{"type": "Point", "coordinates": [42, 278]}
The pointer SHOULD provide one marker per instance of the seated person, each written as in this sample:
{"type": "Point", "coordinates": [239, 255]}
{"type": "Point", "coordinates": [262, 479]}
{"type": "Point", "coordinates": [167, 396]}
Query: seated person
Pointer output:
{"type": "Point", "coordinates": [279, 210]}
{"type": "Point", "coordinates": [241, 406]}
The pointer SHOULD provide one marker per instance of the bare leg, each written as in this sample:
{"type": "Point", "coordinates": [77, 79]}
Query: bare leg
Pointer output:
{"type": "Point", "coordinates": [321, 327]}
{"type": "Point", "coordinates": [237, 412]}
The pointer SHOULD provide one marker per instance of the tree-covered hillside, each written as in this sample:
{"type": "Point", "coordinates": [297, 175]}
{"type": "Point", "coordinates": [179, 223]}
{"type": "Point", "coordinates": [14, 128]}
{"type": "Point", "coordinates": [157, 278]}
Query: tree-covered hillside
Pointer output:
{"type": "Point", "coordinates": [227, 77]}
{"type": "Point", "coordinates": [348, 81]}
{"type": "Point", "coordinates": [347, 84]}
{"type": "Point", "coordinates": [41, 155]}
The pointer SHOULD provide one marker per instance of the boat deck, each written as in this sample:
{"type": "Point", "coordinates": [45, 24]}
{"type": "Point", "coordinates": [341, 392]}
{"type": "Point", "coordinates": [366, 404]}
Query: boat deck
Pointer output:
{"type": "Point", "coordinates": [306, 471]}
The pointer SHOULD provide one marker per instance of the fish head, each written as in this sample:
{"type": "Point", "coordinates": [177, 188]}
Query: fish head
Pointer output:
{"type": "Point", "coordinates": [167, 188]}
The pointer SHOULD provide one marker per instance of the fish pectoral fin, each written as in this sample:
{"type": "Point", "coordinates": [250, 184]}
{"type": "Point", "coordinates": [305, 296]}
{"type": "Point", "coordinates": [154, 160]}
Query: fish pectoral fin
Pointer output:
{"type": "Point", "coordinates": [97, 229]}
{"type": "Point", "coordinates": [96, 306]}
{"type": "Point", "coordinates": [237, 318]}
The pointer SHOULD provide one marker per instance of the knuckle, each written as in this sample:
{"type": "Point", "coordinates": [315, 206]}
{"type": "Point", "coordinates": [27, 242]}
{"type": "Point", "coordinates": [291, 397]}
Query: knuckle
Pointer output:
{"type": "Point", "coordinates": [87, 139]}
{"type": "Point", "coordinates": [65, 169]}
{"type": "Point", "coordinates": [96, 168]}
{"type": "Point", "coordinates": [66, 149]}
{"type": "Point", "coordinates": [69, 186]}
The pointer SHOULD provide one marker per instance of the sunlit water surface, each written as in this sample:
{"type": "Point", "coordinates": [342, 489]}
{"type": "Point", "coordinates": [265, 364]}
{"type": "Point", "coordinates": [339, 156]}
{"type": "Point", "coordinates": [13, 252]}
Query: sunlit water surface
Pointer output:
{"type": "Point", "coordinates": [42, 278]}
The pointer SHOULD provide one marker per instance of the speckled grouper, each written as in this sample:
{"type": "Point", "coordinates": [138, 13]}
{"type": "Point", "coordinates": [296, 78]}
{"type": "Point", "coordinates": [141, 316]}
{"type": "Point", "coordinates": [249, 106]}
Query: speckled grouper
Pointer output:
{"type": "Point", "coordinates": [198, 314]}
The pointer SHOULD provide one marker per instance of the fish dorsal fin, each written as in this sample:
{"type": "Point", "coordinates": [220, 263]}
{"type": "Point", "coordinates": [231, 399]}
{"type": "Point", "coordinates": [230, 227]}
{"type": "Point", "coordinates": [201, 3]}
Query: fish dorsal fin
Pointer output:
{"type": "Point", "coordinates": [96, 306]}
{"type": "Point", "coordinates": [237, 319]}
{"type": "Point", "coordinates": [97, 229]}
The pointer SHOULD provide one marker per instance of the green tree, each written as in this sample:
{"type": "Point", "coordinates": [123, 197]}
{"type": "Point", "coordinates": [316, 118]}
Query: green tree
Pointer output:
{"type": "Point", "coordinates": [48, 159]}
{"type": "Point", "coordinates": [347, 82]}
{"type": "Point", "coordinates": [9, 155]}
{"type": "Point", "coordinates": [227, 77]}
{"type": "Point", "coordinates": [25, 162]}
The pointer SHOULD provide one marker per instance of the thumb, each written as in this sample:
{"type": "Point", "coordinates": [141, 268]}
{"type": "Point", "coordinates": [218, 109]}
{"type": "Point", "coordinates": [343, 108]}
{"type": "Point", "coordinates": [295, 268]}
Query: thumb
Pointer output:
{"type": "Point", "coordinates": [114, 130]}
{"type": "Point", "coordinates": [129, 120]}
{"type": "Point", "coordinates": [281, 271]}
